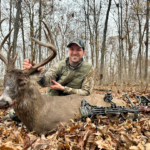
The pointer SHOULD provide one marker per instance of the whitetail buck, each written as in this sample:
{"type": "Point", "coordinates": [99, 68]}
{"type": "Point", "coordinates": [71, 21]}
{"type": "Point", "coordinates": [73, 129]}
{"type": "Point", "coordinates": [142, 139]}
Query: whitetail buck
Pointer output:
{"type": "Point", "coordinates": [41, 113]}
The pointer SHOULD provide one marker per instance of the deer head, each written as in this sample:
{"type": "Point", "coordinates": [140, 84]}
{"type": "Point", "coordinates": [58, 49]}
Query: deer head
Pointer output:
{"type": "Point", "coordinates": [15, 80]}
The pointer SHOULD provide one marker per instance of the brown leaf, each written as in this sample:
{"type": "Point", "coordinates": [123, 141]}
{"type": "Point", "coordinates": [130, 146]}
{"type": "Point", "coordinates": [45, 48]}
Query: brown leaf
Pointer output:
{"type": "Point", "coordinates": [40, 146]}
{"type": "Point", "coordinates": [27, 142]}
{"type": "Point", "coordinates": [102, 144]}
{"type": "Point", "coordinates": [103, 129]}
{"type": "Point", "coordinates": [126, 138]}
{"type": "Point", "coordinates": [147, 133]}
{"type": "Point", "coordinates": [141, 146]}
{"type": "Point", "coordinates": [134, 148]}
{"type": "Point", "coordinates": [9, 146]}
{"type": "Point", "coordinates": [74, 128]}
{"type": "Point", "coordinates": [147, 146]}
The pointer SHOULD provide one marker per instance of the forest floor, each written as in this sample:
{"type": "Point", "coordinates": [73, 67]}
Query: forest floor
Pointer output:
{"type": "Point", "coordinates": [107, 134]}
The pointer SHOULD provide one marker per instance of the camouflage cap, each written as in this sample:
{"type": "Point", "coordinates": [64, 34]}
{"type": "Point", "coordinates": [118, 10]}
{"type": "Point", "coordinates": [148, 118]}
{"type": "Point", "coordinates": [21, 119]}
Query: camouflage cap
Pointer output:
{"type": "Point", "coordinates": [78, 42]}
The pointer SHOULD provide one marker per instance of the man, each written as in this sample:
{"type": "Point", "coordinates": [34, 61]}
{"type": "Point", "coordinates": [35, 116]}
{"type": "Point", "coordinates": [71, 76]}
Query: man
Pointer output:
{"type": "Point", "coordinates": [70, 76]}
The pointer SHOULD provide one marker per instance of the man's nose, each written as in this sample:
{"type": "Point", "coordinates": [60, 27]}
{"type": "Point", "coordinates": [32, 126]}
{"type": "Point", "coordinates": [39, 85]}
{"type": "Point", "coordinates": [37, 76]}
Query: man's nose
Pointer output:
{"type": "Point", "coordinates": [74, 52]}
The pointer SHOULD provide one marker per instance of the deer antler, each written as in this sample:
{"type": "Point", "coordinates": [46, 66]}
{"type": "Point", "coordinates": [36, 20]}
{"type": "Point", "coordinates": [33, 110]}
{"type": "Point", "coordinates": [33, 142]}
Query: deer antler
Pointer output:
{"type": "Point", "coordinates": [2, 57]}
{"type": "Point", "coordinates": [45, 61]}
{"type": "Point", "coordinates": [50, 34]}
{"type": "Point", "coordinates": [10, 63]}
{"type": "Point", "coordinates": [48, 45]}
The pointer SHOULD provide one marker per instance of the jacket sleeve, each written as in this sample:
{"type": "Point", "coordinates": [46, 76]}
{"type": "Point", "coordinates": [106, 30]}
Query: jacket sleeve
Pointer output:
{"type": "Point", "coordinates": [51, 74]}
{"type": "Point", "coordinates": [87, 85]}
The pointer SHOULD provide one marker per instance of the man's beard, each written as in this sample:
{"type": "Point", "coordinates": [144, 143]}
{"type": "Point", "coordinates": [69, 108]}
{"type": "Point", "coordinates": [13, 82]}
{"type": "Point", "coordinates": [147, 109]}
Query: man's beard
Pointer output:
{"type": "Point", "coordinates": [76, 62]}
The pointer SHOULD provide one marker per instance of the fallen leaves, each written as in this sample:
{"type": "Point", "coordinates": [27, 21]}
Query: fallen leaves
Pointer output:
{"type": "Point", "coordinates": [108, 134]}
{"type": "Point", "coordinates": [105, 134]}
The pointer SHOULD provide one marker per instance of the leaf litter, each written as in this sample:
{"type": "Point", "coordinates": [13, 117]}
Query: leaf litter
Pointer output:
{"type": "Point", "coordinates": [105, 134]}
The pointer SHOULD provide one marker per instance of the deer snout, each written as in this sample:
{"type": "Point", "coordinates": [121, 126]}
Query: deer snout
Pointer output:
{"type": "Point", "coordinates": [3, 104]}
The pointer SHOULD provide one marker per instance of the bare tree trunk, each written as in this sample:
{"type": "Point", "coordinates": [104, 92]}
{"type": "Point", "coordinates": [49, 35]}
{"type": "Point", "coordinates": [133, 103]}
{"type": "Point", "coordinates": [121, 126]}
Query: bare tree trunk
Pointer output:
{"type": "Point", "coordinates": [40, 12]}
{"type": "Point", "coordinates": [110, 66]}
{"type": "Point", "coordinates": [129, 53]}
{"type": "Point", "coordinates": [121, 46]}
{"type": "Point", "coordinates": [119, 38]}
{"type": "Point", "coordinates": [59, 58]}
{"type": "Point", "coordinates": [31, 17]}
{"type": "Point", "coordinates": [62, 46]}
{"type": "Point", "coordinates": [85, 28]}
{"type": "Point", "coordinates": [96, 34]}
{"type": "Point", "coordinates": [104, 40]}
{"type": "Point", "coordinates": [129, 46]}
{"type": "Point", "coordinates": [125, 59]}
{"type": "Point", "coordinates": [0, 13]}
{"type": "Point", "coordinates": [139, 57]}
{"type": "Point", "coordinates": [113, 72]}
{"type": "Point", "coordinates": [89, 26]}
{"type": "Point", "coordinates": [147, 40]}
{"type": "Point", "coordinates": [23, 41]}
{"type": "Point", "coordinates": [10, 22]}
{"type": "Point", "coordinates": [16, 27]}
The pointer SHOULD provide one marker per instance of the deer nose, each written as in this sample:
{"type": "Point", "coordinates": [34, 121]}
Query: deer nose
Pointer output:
{"type": "Point", "coordinates": [3, 104]}
{"type": "Point", "coordinates": [2, 100]}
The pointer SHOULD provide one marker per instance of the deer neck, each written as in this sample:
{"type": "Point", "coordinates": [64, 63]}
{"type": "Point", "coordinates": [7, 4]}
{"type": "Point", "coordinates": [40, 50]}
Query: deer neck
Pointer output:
{"type": "Point", "coordinates": [26, 108]}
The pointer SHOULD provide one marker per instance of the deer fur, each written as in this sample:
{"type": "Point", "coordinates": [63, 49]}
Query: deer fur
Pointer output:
{"type": "Point", "coordinates": [43, 113]}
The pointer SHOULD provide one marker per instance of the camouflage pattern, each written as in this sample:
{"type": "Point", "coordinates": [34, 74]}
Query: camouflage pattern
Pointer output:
{"type": "Point", "coordinates": [78, 42]}
{"type": "Point", "coordinates": [87, 84]}
{"type": "Point", "coordinates": [51, 74]}
{"type": "Point", "coordinates": [48, 75]}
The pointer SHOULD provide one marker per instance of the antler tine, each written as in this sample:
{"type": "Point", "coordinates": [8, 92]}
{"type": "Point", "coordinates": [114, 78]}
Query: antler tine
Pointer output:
{"type": "Point", "coordinates": [31, 60]}
{"type": "Point", "coordinates": [11, 62]}
{"type": "Point", "coordinates": [46, 36]}
{"type": "Point", "coordinates": [49, 32]}
{"type": "Point", "coordinates": [45, 61]}
{"type": "Point", "coordinates": [48, 45]}
{"type": "Point", "coordinates": [8, 55]}
{"type": "Point", "coordinates": [2, 57]}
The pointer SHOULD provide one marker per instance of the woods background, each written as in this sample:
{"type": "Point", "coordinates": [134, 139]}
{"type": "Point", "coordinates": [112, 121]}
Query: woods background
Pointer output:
{"type": "Point", "coordinates": [115, 32]}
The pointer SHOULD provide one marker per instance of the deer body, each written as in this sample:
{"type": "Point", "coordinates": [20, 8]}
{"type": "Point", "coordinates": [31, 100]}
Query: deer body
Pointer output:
{"type": "Point", "coordinates": [43, 113]}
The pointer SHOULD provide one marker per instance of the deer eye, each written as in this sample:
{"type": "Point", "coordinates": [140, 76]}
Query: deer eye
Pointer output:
{"type": "Point", "coordinates": [22, 83]}
{"type": "Point", "coordinates": [19, 80]}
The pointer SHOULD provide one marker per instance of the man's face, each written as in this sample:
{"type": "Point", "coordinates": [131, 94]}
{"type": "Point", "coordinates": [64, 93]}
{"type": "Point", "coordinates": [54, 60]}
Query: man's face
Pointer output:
{"type": "Point", "coordinates": [75, 54]}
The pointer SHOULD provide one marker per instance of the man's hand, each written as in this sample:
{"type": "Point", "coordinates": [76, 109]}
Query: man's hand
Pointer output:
{"type": "Point", "coordinates": [56, 86]}
{"type": "Point", "coordinates": [27, 65]}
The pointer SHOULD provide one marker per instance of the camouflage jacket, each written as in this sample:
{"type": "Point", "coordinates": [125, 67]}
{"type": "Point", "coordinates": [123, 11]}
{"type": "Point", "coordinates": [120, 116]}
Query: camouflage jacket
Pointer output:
{"type": "Point", "coordinates": [52, 74]}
